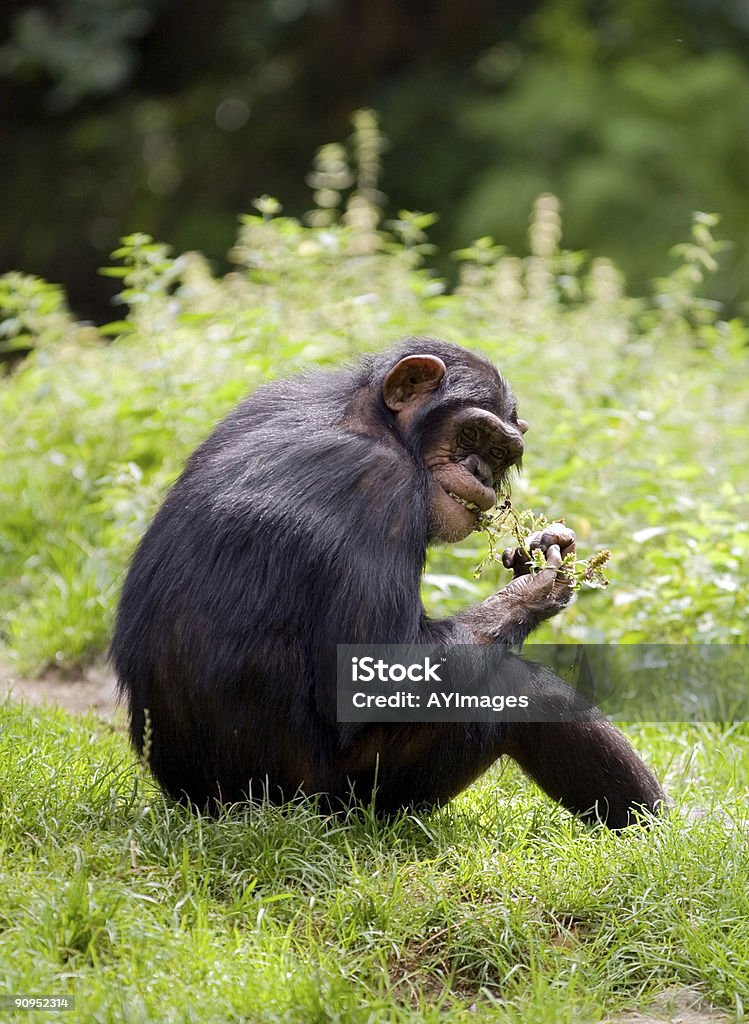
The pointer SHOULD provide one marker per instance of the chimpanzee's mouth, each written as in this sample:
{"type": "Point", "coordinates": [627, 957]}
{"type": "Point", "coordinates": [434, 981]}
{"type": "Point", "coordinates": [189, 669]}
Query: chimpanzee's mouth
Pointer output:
{"type": "Point", "coordinates": [474, 499]}
{"type": "Point", "coordinates": [465, 489]}
{"type": "Point", "coordinates": [469, 505]}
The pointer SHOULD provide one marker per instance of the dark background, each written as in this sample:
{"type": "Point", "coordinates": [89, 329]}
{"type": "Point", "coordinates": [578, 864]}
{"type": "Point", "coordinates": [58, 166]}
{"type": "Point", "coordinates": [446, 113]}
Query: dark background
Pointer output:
{"type": "Point", "coordinates": [169, 117]}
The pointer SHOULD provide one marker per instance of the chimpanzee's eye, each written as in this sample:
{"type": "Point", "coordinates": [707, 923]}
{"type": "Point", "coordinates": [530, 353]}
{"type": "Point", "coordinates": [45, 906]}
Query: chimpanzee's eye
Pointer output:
{"type": "Point", "coordinates": [470, 436]}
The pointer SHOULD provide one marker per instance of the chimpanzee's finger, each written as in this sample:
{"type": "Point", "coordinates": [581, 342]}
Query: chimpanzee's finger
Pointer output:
{"type": "Point", "coordinates": [555, 533]}
{"type": "Point", "coordinates": [516, 559]}
{"type": "Point", "coordinates": [553, 556]}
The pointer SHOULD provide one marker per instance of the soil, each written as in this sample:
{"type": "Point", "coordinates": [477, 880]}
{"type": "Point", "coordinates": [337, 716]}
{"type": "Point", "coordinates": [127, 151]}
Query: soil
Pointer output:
{"type": "Point", "coordinates": [79, 692]}
{"type": "Point", "coordinates": [677, 1005]}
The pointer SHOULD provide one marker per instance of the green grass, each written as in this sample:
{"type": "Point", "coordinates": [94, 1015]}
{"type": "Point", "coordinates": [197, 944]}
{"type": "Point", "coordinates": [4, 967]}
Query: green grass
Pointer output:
{"type": "Point", "coordinates": [147, 912]}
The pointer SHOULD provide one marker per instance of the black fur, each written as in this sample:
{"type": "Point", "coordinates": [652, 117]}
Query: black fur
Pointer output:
{"type": "Point", "coordinates": [303, 522]}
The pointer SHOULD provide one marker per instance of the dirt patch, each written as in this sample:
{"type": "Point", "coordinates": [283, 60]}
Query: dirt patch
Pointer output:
{"type": "Point", "coordinates": [92, 690]}
{"type": "Point", "coordinates": [675, 1006]}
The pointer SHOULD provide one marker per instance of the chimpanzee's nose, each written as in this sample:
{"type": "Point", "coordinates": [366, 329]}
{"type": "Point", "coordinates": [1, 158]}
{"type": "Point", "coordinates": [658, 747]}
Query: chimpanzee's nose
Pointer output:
{"type": "Point", "coordinates": [480, 469]}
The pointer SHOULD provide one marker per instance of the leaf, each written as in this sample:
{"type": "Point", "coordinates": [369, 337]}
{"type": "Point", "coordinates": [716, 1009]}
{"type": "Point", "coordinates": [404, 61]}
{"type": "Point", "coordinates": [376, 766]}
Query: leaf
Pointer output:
{"type": "Point", "coordinates": [446, 583]}
{"type": "Point", "coordinates": [641, 536]}
{"type": "Point", "coordinates": [115, 327]}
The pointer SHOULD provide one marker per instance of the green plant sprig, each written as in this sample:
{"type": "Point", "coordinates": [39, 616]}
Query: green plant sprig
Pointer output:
{"type": "Point", "coordinates": [504, 520]}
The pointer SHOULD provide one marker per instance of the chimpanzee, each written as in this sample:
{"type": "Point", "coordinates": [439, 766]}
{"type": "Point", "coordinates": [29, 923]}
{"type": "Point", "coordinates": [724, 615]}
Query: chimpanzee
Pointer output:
{"type": "Point", "coordinates": [302, 523]}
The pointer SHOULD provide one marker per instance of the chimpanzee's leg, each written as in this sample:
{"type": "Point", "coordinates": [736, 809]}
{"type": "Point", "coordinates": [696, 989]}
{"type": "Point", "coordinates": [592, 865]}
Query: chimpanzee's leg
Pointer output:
{"type": "Point", "coordinates": [589, 767]}
{"type": "Point", "coordinates": [580, 759]}
{"type": "Point", "coordinates": [423, 765]}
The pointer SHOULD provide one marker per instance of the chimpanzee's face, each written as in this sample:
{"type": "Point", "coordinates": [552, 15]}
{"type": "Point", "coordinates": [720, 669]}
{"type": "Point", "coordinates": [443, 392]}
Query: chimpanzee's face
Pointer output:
{"type": "Point", "coordinates": [469, 449]}
{"type": "Point", "coordinates": [470, 459]}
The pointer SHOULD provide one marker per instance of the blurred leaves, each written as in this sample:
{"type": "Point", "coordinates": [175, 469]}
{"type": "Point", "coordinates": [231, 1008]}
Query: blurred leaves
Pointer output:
{"type": "Point", "coordinates": [627, 148]}
{"type": "Point", "coordinates": [637, 413]}
{"type": "Point", "coordinates": [84, 47]}
{"type": "Point", "coordinates": [126, 116]}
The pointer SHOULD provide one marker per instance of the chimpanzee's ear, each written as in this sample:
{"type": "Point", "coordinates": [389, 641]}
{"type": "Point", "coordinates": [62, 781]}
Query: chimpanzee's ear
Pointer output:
{"type": "Point", "coordinates": [411, 378]}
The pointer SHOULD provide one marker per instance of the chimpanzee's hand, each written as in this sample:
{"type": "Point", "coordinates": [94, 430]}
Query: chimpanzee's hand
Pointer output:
{"type": "Point", "coordinates": [549, 589]}
{"type": "Point", "coordinates": [556, 542]}
{"type": "Point", "coordinates": [531, 597]}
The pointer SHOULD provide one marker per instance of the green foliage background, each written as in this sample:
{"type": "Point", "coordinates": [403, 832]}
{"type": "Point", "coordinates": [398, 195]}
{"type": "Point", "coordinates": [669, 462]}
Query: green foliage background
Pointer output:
{"type": "Point", "coordinates": [637, 410]}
